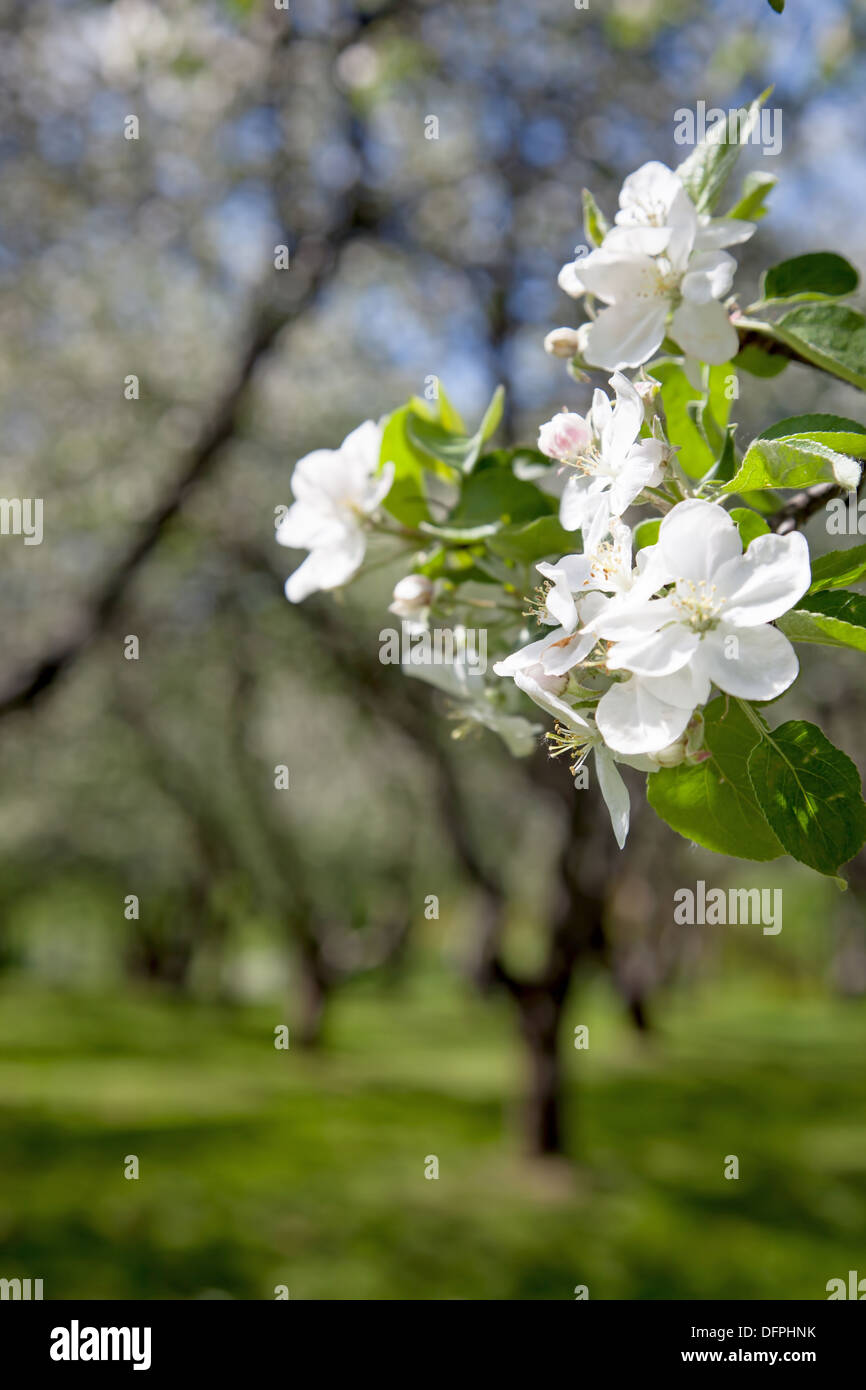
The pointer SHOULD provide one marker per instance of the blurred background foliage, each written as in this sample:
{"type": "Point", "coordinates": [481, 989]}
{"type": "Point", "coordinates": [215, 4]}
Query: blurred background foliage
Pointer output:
{"type": "Point", "coordinates": [410, 257]}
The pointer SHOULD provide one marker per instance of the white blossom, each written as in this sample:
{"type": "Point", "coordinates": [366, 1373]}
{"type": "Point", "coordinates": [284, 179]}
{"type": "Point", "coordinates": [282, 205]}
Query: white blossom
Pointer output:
{"type": "Point", "coordinates": [709, 626]}
{"type": "Point", "coordinates": [609, 464]}
{"type": "Point", "coordinates": [578, 736]}
{"type": "Point", "coordinates": [336, 492]}
{"type": "Point", "coordinates": [661, 264]}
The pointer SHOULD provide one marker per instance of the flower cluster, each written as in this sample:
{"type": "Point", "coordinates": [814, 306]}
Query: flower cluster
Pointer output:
{"type": "Point", "coordinates": [660, 268]}
{"type": "Point", "coordinates": [642, 619]}
{"type": "Point", "coordinates": [637, 648]}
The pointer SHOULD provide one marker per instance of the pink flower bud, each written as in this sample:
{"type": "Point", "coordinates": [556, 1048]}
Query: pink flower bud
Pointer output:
{"type": "Point", "coordinates": [565, 437]}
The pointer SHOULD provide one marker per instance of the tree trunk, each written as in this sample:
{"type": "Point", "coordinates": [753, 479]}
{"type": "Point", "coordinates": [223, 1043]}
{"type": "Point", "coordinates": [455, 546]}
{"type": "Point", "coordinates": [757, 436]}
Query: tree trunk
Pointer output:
{"type": "Point", "coordinates": [575, 936]}
{"type": "Point", "coordinates": [314, 989]}
{"type": "Point", "coordinates": [540, 1015]}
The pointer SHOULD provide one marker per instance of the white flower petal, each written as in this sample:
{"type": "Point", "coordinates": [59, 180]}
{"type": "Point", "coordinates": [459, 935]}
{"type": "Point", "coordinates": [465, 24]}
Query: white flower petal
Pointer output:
{"type": "Point", "coordinates": [714, 233]}
{"type": "Point", "coordinates": [573, 568]}
{"type": "Point", "coordinates": [626, 419]}
{"type": "Point", "coordinates": [306, 526]}
{"type": "Point", "coordinates": [560, 656]}
{"type": "Point", "coordinates": [615, 793]}
{"type": "Point", "coordinates": [551, 703]}
{"type": "Point", "coordinates": [629, 616]}
{"type": "Point", "coordinates": [754, 663]}
{"type": "Point", "coordinates": [648, 195]}
{"type": "Point", "coordinates": [652, 452]}
{"type": "Point", "coordinates": [618, 279]}
{"type": "Point", "coordinates": [569, 280]}
{"type": "Point", "coordinates": [327, 569]}
{"type": "Point", "coordinates": [526, 656]}
{"type": "Point", "coordinates": [559, 602]}
{"type": "Point", "coordinates": [705, 332]}
{"type": "Point", "coordinates": [637, 241]}
{"type": "Point", "coordinates": [628, 334]}
{"type": "Point", "coordinates": [709, 276]}
{"type": "Point", "coordinates": [655, 653]}
{"type": "Point", "coordinates": [378, 488]}
{"type": "Point", "coordinates": [695, 539]}
{"type": "Point", "coordinates": [633, 719]}
{"type": "Point", "coordinates": [766, 581]}
{"type": "Point", "coordinates": [363, 445]}
{"type": "Point", "coordinates": [686, 688]}
{"type": "Point", "coordinates": [309, 472]}
{"type": "Point", "coordinates": [636, 474]}
{"type": "Point", "coordinates": [575, 506]}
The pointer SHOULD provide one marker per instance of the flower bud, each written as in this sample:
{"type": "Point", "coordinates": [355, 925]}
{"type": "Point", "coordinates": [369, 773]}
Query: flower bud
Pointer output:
{"type": "Point", "coordinates": [554, 685]}
{"type": "Point", "coordinates": [846, 471]}
{"type": "Point", "coordinates": [647, 389]}
{"type": "Point", "coordinates": [411, 596]}
{"type": "Point", "coordinates": [688, 746]}
{"type": "Point", "coordinates": [562, 342]}
{"type": "Point", "coordinates": [673, 755]}
{"type": "Point", "coordinates": [565, 437]}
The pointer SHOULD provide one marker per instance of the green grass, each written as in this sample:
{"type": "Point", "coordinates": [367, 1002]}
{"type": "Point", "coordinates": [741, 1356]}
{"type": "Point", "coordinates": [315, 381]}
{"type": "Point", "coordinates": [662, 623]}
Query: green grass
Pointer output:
{"type": "Point", "coordinates": [260, 1167]}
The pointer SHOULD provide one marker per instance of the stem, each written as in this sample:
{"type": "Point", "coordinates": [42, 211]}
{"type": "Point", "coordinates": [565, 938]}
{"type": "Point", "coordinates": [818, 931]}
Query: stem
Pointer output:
{"type": "Point", "coordinates": [751, 715]}
{"type": "Point", "coordinates": [662, 499]}
{"type": "Point", "coordinates": [408, 533]}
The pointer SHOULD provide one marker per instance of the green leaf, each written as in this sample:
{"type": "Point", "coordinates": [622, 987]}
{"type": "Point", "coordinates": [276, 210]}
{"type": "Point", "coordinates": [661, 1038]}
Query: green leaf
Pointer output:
{"type": "Point", "coordinates": [832, 619]}
{"type": "Point", "coordinates": [761, 361]}
{"type": "Point", "coordinates": [432, 439]}
{"type": "Point", "coordinates": [749, 525]}
{"type": "Point", "coordinates": [695, 455]}
{"type": "Point", "coordinates": [838, 567]}
{"type": "Point", "coordinates": [713, 802]}
{"type": "Point", "coordinates": [595, 224]}
{"type": "Point", "coordinates": [496, 496]}
{"type": "Point", "coordinates": [449, 416]}
{"type": "Point", "coordinates": [810, 793]}
{"type": "Point", "coordinates": [406, 499]}
{"type": "Point", "coordinates": [829, 336]}
{"type": "Point", "coordinates": [725, 465]}
{"type": "Point", "coordinates": [819, 275]}
{"type": "Point", "coordinates": [646, 533]}
{"type": "Point", "coordinates": [459, 451]}
{"type": "Point", "coordinates": [533, 540]}
{"type": "Point", "coordinates": [701, 415]}
{"type": "Point", "coordinates": [489, 421]}
{"type": "Point", "coordinates": [520, 457]}
{"type": "Point", "coordinates": [708, 167]}
{"type": "Point", "coordinates": [801, 451]}
{"type": "Point", "coordinates": [777, 5]}
{"type": "Point", "coordinates": [820, 425]}
{"type": "Point", "coordinates": [764, 502]}
{"type": "Point", "coordinates": [753, 194]}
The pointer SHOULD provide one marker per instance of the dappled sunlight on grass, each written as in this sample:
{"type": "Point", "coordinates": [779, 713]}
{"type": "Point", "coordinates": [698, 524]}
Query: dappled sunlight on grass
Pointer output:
{"type": "Point", "coordinates": [261, 1167]}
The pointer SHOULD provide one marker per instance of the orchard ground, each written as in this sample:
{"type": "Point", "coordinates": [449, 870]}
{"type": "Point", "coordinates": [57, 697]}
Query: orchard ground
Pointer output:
{"type": "Point", "coordinates": [262, 1167]}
